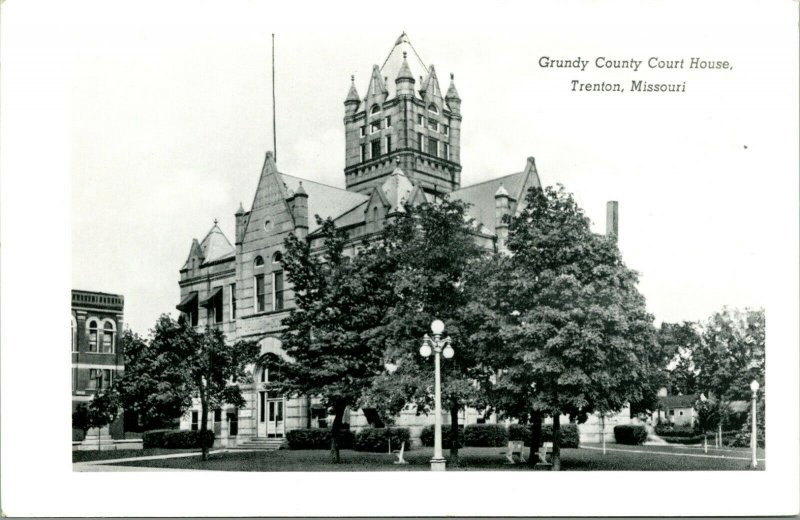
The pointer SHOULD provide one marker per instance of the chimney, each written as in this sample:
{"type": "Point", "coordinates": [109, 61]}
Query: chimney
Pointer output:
{"type": "Point", "coordinates": [300, 212]}
{"type": "Point", "coordinates": [240, 223]}
{"type": "Point", "coordinates": [501, 210]}
{"type": "Point", "coordinates": [612, 219]}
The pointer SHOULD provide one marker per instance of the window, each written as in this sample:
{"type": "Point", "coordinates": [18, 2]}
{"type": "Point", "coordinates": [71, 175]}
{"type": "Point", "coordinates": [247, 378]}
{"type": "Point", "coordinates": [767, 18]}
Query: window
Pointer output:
{"type": "Point", "coordinates": [433, 124]}
{"type": "Point", "coordinates": [388, 121]}
{"type": "Point", "coordinates": [74, 378]}
{"type": "Point", "coordinates": [420, 120]}
{"type": "Point", "coordinates": [421, 142]}
{"type": "Point", "coordinates": [218, 415]}
{"type": "Point", "coordinates": [433, 146]}
{"type": "Point", "coordinates": [258, 262]}
{"type": "Point", "coordinates": [363, 152]}
{"type": "Point", "coordinates": [99, 378]}
{"type": "Point", "coordinates": [672, 412]}
{"type": "Point", "coordinates": [277, 282]}
{"type": "Point", "coordinates": [265, 375]}
{"type": "Point", "coordinates": [74, 335]}
{"type": "Point", "coordinates": [445, 130]}
{"type": "Point", "coordinates": [680, 413]}
{"type": "Point", "coordinates": [375, 109]}
{"type": "Point", "coordinates": [260, 301]}
{"type": "Point", "coordinates": [432, 108]}
{"type": "Point", "coordinates": [446, 151]}
{"type": "Point", "coordinates": [388, 143]}
{"type": "Point", "coordinates": [217, 307]}
{"type": "Point", "coordinates": [363, 131]}
{"type": "Point", "coordinates": [92, 336]}
{"type": "Point", "coordinates": [375, 127]}
{"type": "Point", "coordinates": [108, 338]}
{"type": "Point", "coordinates": [375, 148]}
{"type": "Point", "coordinates": [195, 420]}
{"type": "Point", "coordinates": [232, 300]}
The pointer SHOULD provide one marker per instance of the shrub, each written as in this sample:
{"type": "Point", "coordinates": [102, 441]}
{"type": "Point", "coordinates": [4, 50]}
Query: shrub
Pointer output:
{"type": "Point", "coordinates": [377, 439]}
{"type": "Point", "coordinates": [176, 439]}
{"type": "Point", "coordinates": [317, 439]}
{"type": "Point", "coordinates": [630, 434]}
{"type": "Point", "coordinates": [485, 435]}
{"type": "Point", "coordinates": [426, 436]}
{"type": "Point", "coordinates": [569, 434]}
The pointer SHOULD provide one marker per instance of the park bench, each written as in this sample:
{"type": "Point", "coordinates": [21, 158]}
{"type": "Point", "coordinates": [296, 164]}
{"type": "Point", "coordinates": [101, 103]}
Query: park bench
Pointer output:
{"type": "Point", "coordinates": [544, 451]}
{"type": "Point", "coordinates": [399, 453]}
{"type": "Point", "coordinates": [515, 447]}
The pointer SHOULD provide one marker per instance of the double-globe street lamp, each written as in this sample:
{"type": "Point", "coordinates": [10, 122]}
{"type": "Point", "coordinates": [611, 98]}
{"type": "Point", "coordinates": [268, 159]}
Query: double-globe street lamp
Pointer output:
{"type": "Point", "coordinates": [437, 345]}
{"type": "Point", "coordinates": [754, 435]}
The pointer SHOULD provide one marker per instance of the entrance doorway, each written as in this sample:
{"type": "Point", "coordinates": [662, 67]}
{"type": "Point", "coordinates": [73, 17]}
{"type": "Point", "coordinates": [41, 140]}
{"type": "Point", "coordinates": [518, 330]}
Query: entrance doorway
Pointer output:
{"type": "Point", "coordinates": [270, 415]}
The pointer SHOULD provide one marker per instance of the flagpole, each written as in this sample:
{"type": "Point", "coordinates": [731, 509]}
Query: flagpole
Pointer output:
{"type": "Point", "coordinates": [274, 134]}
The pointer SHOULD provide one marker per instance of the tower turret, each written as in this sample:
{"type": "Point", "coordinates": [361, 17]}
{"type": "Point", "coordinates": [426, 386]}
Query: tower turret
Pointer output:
{"type": "Point", "coordinates": [402, 123]}
{"type": "Point", "coordinates": [352, 100]}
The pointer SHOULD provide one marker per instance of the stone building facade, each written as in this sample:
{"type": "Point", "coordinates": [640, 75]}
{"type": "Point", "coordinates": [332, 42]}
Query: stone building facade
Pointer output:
{"type": "Point", "coordinates": [402, 145]}
{"type": "Point", "coordinates": [97, 358]}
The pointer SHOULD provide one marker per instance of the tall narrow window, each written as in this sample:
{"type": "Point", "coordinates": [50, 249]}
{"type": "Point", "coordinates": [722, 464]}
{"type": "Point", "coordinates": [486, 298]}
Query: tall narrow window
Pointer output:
{"type": "Point", "coordinates": [421, 142]}
{"type": "Point", "coordinates": [195, 420]}
{"type": "Point", "coordinates": [446, 151]}
{"type": "Point", "coordinates": [433, 146]}
{"type": "Point", "coordinates": [388, 121]}
{"type": "Point", "coordinates": [277, 281]}
{"type": "Point", "coordinates": [363, 131]}
{"type": "Point", "coordinates": [420, 120]}
{"type": "Point", "coordinates": [388, 143]}
{"type": "Point", "coordinates": [108, 338]}
{"type": "Point", "coordinates": [375, 126]}
{"type": "Point", "coordinates": [74, 335]}
{"type": "Point", "coordinates": [93, 336]}
{"type": "Point", "coordinates": [363, 152]}
{"type": "Point", "coordinates": [232, 300]}
{"type": "Point", "coordinates": [375, 150]}
{"type": "Point", "coordinates": [445, 130]}
{"type": "Point", "coordinates": [260, 293]}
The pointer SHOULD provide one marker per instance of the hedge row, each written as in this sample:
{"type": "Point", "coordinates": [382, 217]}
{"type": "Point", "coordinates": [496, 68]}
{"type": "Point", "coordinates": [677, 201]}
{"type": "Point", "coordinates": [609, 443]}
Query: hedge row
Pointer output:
{"type": "Point", "coordinates": [317, 439]}
{"type": "Point", "coordinates": [630, 434]}
{"type": "Point", "coordinates": [426, 436]}
{"type": "Point", "coordinates": [378, 439]}
{"type": "Point", "coordinates": [485, 435]}
{"type": "Point", "coordinates": [569, 435]}
{"type": "Point", "coordinates": [176, 439]}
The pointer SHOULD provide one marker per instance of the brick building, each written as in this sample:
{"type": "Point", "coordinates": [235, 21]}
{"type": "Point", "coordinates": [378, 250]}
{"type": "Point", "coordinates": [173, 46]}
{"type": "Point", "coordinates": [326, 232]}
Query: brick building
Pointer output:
{"type": "Point", "coordinates": [97, 358]}
{"type": "Point", "coordinates": [402, 145]}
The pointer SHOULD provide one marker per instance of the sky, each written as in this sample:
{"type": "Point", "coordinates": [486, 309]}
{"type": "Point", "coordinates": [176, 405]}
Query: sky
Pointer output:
{"type": "Point", "coordinates": [126, 128]}
{"type": "Point", "coordinates": [171, 118]}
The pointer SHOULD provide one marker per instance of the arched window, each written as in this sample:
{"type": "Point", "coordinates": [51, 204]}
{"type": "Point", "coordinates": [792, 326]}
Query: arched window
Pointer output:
{"type": "Point", "coordinates": [93, 336]}
{"type": "Point", "coordinates": [258, 262]}
{"type": "Point", "coordinates": [74, 335]}
{"type": "Point", "coordinates": [375, 109]}
{"type": "Point", "coordinates": [109, 331]}
{"type": "Point", "coordinates": [277, 281]}
{"type": "Point", "coordinates": [432, 108]}
{"type": "Point", "coordinates": [264, 375]}
{"type": "Point", "coordinates": [259, 293]}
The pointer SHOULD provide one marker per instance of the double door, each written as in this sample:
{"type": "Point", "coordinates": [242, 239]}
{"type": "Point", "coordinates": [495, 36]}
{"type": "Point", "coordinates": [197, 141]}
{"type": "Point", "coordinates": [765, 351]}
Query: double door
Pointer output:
{"type": "Point", "coordinates": [270, 415]}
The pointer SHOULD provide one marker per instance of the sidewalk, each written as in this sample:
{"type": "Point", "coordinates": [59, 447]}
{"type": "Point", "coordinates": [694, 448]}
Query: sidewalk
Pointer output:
{"type": "Point", "coordinates": [108, 464]}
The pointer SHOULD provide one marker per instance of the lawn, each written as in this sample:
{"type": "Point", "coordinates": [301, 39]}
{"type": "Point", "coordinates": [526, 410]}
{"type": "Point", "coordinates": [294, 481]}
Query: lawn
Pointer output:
{"type": "Point", "coordinates": [88, 456]}
{"type": "Point", "coordinates": [646, 458]}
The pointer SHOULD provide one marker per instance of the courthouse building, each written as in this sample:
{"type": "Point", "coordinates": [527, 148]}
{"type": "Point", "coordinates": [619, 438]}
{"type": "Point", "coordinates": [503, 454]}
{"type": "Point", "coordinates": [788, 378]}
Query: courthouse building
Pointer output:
{"type": "Point", "coordinates": [402, 145]}
{"type": "Point", "coordinates": [96, 355]}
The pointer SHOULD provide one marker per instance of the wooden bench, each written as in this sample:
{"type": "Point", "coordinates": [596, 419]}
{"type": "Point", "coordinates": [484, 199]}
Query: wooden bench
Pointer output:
{"type": "Point", "coordinates": [515, 447]}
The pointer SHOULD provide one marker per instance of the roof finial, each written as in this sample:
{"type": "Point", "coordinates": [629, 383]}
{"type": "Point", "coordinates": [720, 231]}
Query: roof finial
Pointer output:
{"type": "Point", "coordinates": [353, 78]}
{"type": "Point", "coordinates": [405, 54]}
{"type": "Point", "coordinates": [215, 222]}
{"type": "Point", "coordinates": [452, 76]}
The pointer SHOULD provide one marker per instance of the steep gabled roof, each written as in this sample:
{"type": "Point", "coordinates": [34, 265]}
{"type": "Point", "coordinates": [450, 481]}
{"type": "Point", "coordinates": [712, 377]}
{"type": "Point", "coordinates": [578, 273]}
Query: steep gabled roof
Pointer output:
{"type": "Point", "coordinates": [215, 245]}
{"type": "Point", "coordinates": [678, 401]}
{"type": "Point", "coordinates": [323, 200]}
{"type": "Point", "coordinates": [481, 196]}
{"type": "Point", "coordinates": [394, 63]}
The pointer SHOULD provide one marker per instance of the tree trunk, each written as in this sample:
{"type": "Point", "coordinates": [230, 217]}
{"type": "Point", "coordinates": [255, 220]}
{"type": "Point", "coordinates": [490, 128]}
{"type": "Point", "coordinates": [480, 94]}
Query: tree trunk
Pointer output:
{"type": "Point", "coordinates": [203, 422]}
{"type": "Point", "coordinates": [556, 441]}
{"type": "Point", "coordinates": [335, 429]}
{"type": "Point", "coordinates": [536, 437]}
{"type": "Point", "coordinates": [454, 434]}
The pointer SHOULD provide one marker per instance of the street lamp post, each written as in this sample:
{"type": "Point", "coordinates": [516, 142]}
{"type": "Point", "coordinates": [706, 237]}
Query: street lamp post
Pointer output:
{"type": "Point", "coordinates": [437, 345]}
{"type": "Point", "coordinates": [754, 435]}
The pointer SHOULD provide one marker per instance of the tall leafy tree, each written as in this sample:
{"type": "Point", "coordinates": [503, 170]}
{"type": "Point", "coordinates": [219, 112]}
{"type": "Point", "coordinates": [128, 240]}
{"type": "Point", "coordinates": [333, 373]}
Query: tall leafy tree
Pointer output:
{"type": "Point", "coordinates": [583, 340]}
{"type": "Point", "coordinates": [679, 342]}
{"type": "Point", "coordinates": [330, 334]}
{"type": "Point", "coordinates": [436, 254]}
{"type": "Point", "coordinates": [154, 385]}
{"type": "Point", "coordinates": [731, 354]}
{"type": "Point", "coordinates": [214, 368]}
